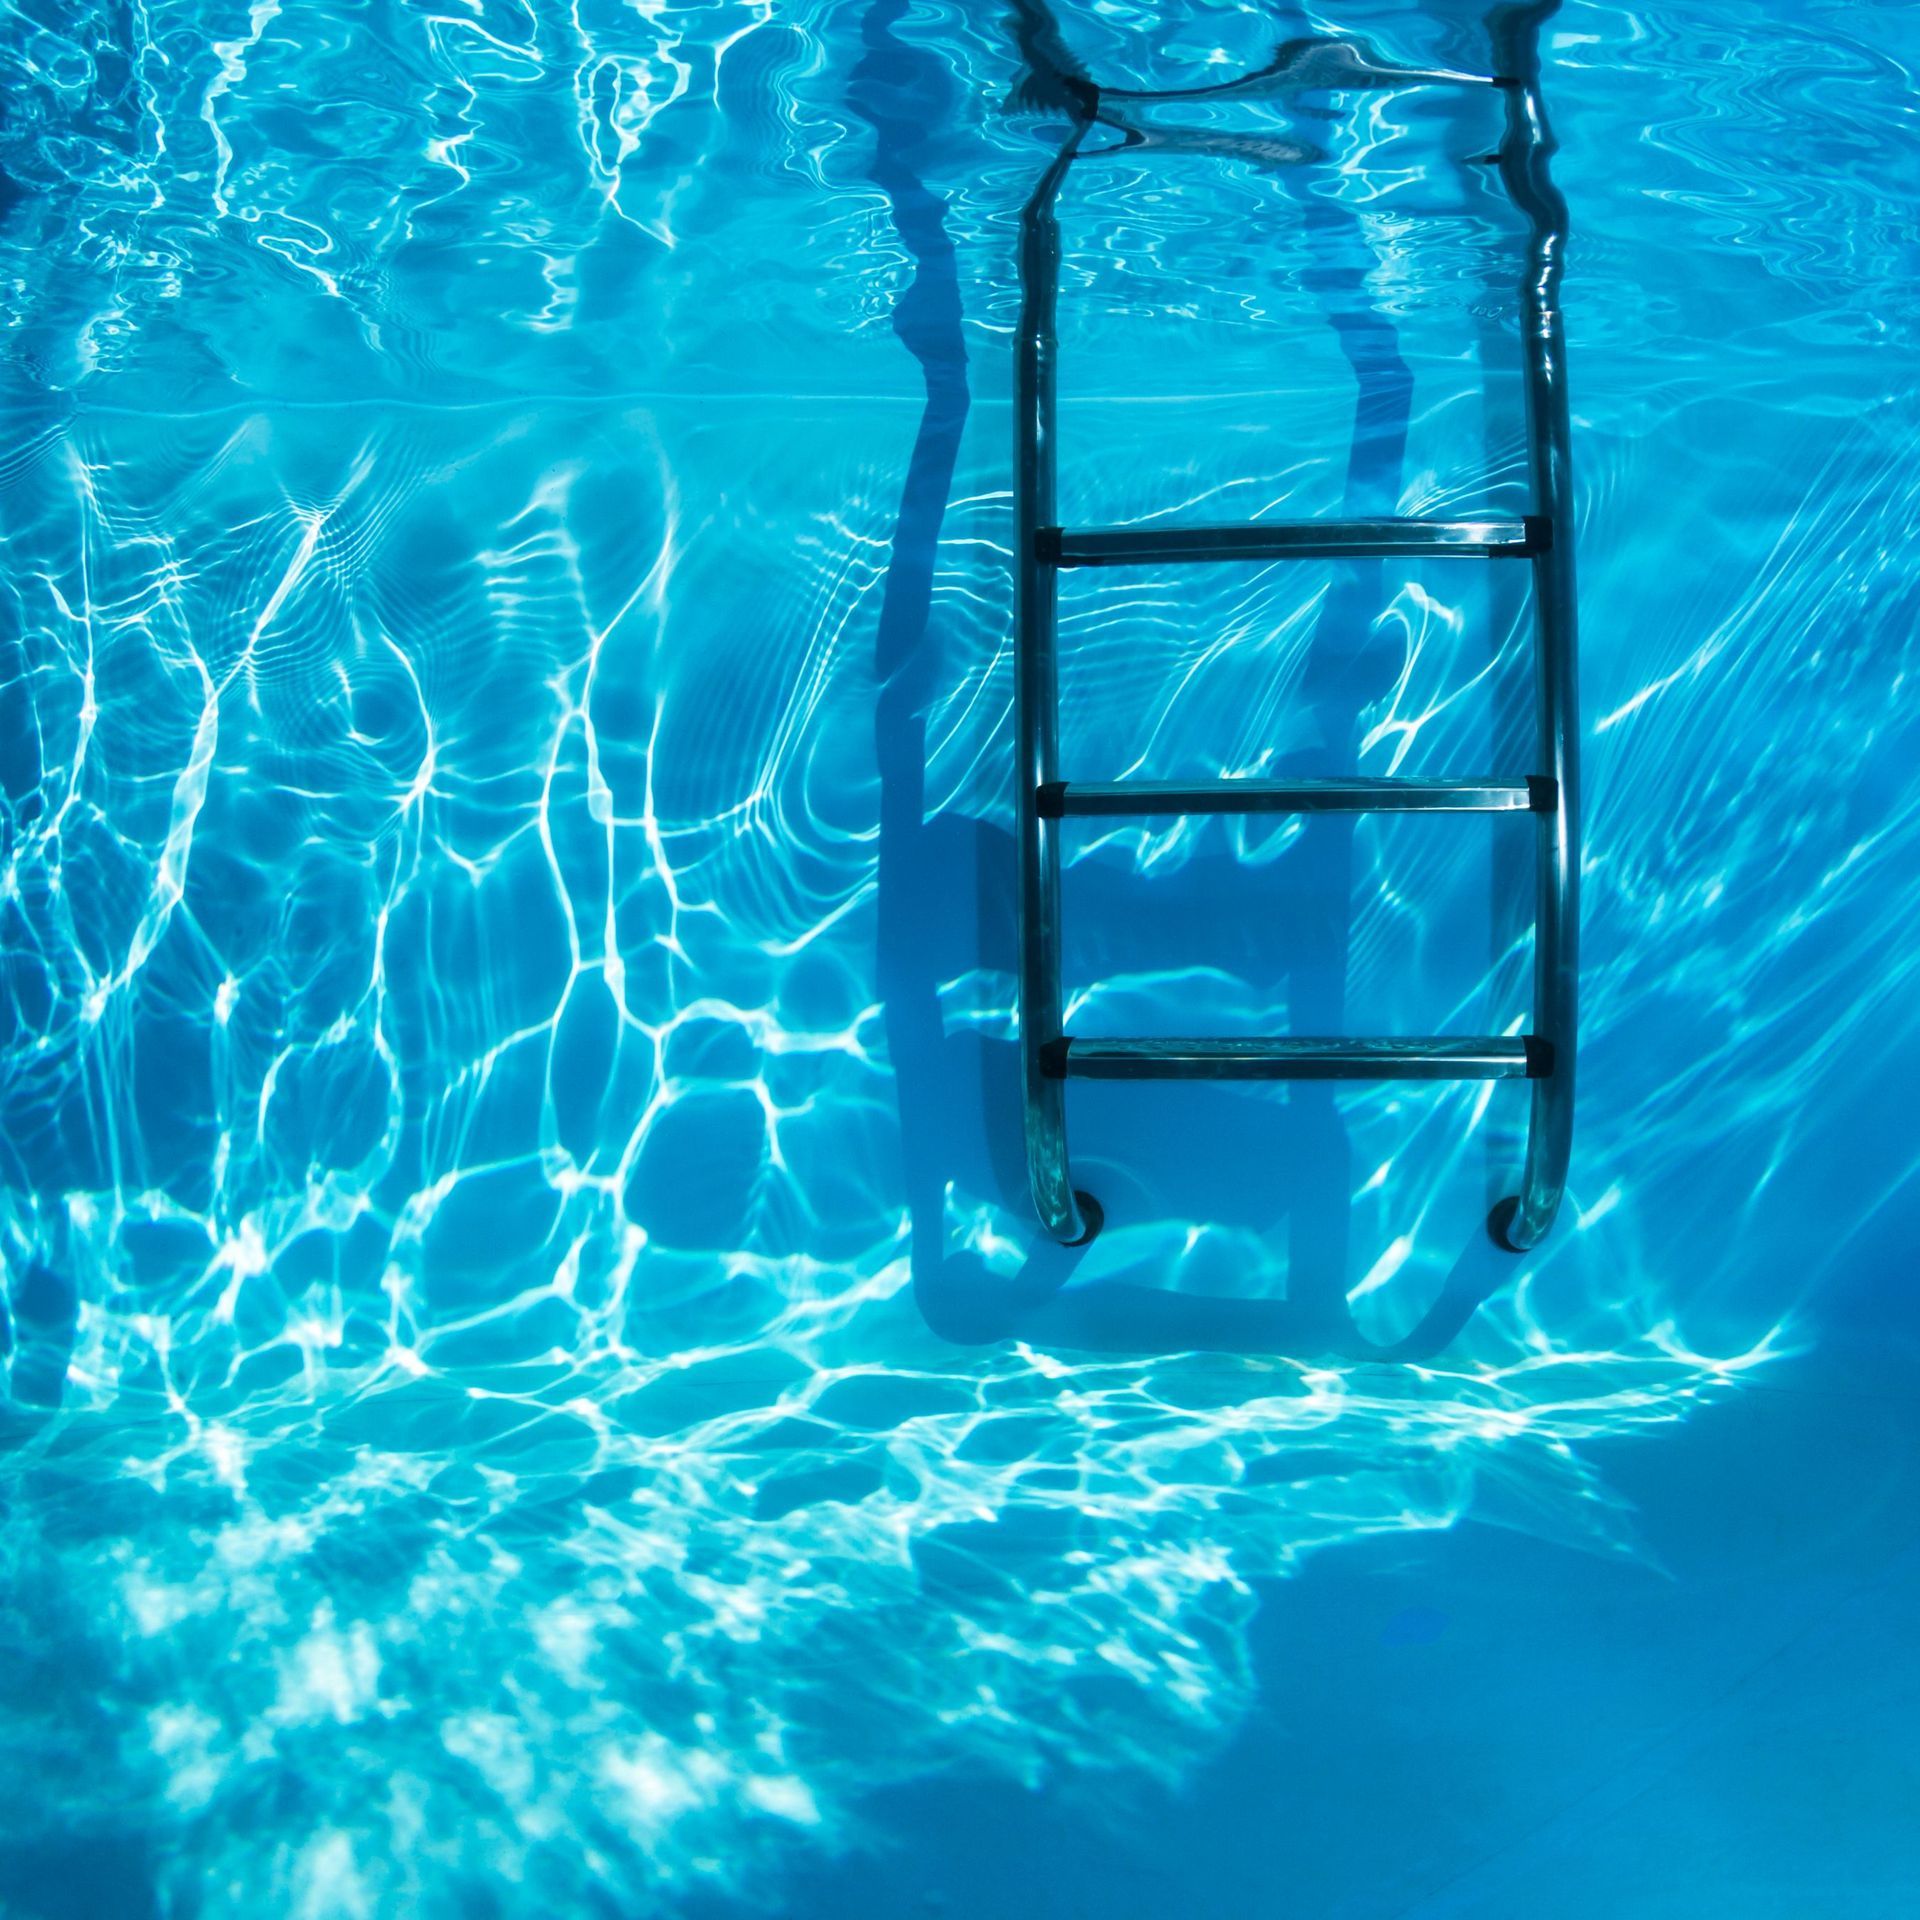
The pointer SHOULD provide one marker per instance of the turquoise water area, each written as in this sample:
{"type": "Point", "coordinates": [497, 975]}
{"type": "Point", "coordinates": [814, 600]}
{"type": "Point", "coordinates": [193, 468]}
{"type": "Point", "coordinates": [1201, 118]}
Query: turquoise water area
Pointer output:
{"type": "Point", "coordinates": [531, 1381]}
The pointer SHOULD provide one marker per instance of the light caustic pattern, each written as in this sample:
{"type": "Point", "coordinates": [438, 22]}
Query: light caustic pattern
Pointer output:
{"type": "Point", "coordinates": [486, 1110]}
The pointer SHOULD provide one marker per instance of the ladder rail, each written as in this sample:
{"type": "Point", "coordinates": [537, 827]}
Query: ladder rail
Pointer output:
{"type": "Point", "coordinates": [1151, 799]}
{"type": "Point", "coordinates": [1299, 1057]}
{"type": "Point", "coordinates": [1525, 156]}
{"type": "Point", "coordinates": [1486, 539]}
{"type": "Point", "coordinates": [1036, 707]}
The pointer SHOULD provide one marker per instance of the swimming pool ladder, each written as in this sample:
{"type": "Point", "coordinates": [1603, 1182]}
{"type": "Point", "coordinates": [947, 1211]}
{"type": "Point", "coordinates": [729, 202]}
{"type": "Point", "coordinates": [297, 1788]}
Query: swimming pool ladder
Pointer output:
{"type": "Point", "coordinates": [1543, 538]}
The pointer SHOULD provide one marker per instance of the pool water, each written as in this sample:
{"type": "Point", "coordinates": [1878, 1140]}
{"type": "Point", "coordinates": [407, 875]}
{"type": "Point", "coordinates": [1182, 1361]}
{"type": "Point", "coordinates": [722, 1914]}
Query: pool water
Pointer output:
{"type": "Point", "coordinates": [531, 1381]}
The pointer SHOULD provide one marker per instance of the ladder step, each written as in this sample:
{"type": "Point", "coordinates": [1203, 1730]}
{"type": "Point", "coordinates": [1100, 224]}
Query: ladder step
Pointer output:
{"type": "Point", "coordinates": [1136, 799]}
{"type": "Point", "coordinates": [1509, 1057]}
{"type": "Point", "coordinates": [1298, 540]}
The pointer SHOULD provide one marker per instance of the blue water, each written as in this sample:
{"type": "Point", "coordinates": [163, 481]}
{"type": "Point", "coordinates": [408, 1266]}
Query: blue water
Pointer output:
{"type": "Point", "coordinates": [522, 1386]}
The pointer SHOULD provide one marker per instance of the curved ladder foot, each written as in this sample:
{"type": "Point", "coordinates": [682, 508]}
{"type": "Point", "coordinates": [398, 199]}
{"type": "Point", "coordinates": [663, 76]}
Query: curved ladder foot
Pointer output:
{"type": "Point", "coordinates": [1500, 1219]}
{"type": "Point", "coordinates": [1506, 1230]}
{"type": "Point", "coordinates": [1095, 1216]}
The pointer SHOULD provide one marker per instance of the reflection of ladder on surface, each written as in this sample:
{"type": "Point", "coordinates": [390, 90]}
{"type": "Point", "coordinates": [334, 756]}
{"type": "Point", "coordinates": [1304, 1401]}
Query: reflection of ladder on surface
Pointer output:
{"type": "Point", "coordinates": [1543, 538]}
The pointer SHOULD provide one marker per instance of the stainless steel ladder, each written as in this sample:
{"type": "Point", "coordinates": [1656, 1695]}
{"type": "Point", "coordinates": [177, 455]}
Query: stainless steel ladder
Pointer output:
{"type": "Point", "coordinates": [1550, 792]}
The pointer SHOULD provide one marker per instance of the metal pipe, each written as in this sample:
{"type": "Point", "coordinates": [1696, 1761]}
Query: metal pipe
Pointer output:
{"type": "Point", "coordinates": [1145, 799]}
{"type": "Point", "coordinates": [1292, 1057]}
{"type": "Point", "coordinates": [1525, 155]}
{"type": "Point", "coordinates": [1297, 540]}
{"type": "Point", "coordinates": [1036, 709]}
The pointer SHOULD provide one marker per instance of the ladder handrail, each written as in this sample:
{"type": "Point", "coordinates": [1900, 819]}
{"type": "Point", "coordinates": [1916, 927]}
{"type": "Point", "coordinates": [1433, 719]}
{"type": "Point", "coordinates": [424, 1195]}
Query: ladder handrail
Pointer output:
{"type": "Point", "coordinates": [1040, 549]}
{"type": "Point", "coordinates": [1526, 151]}
{"type": "Point", "coordinates": [1036, 707]}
